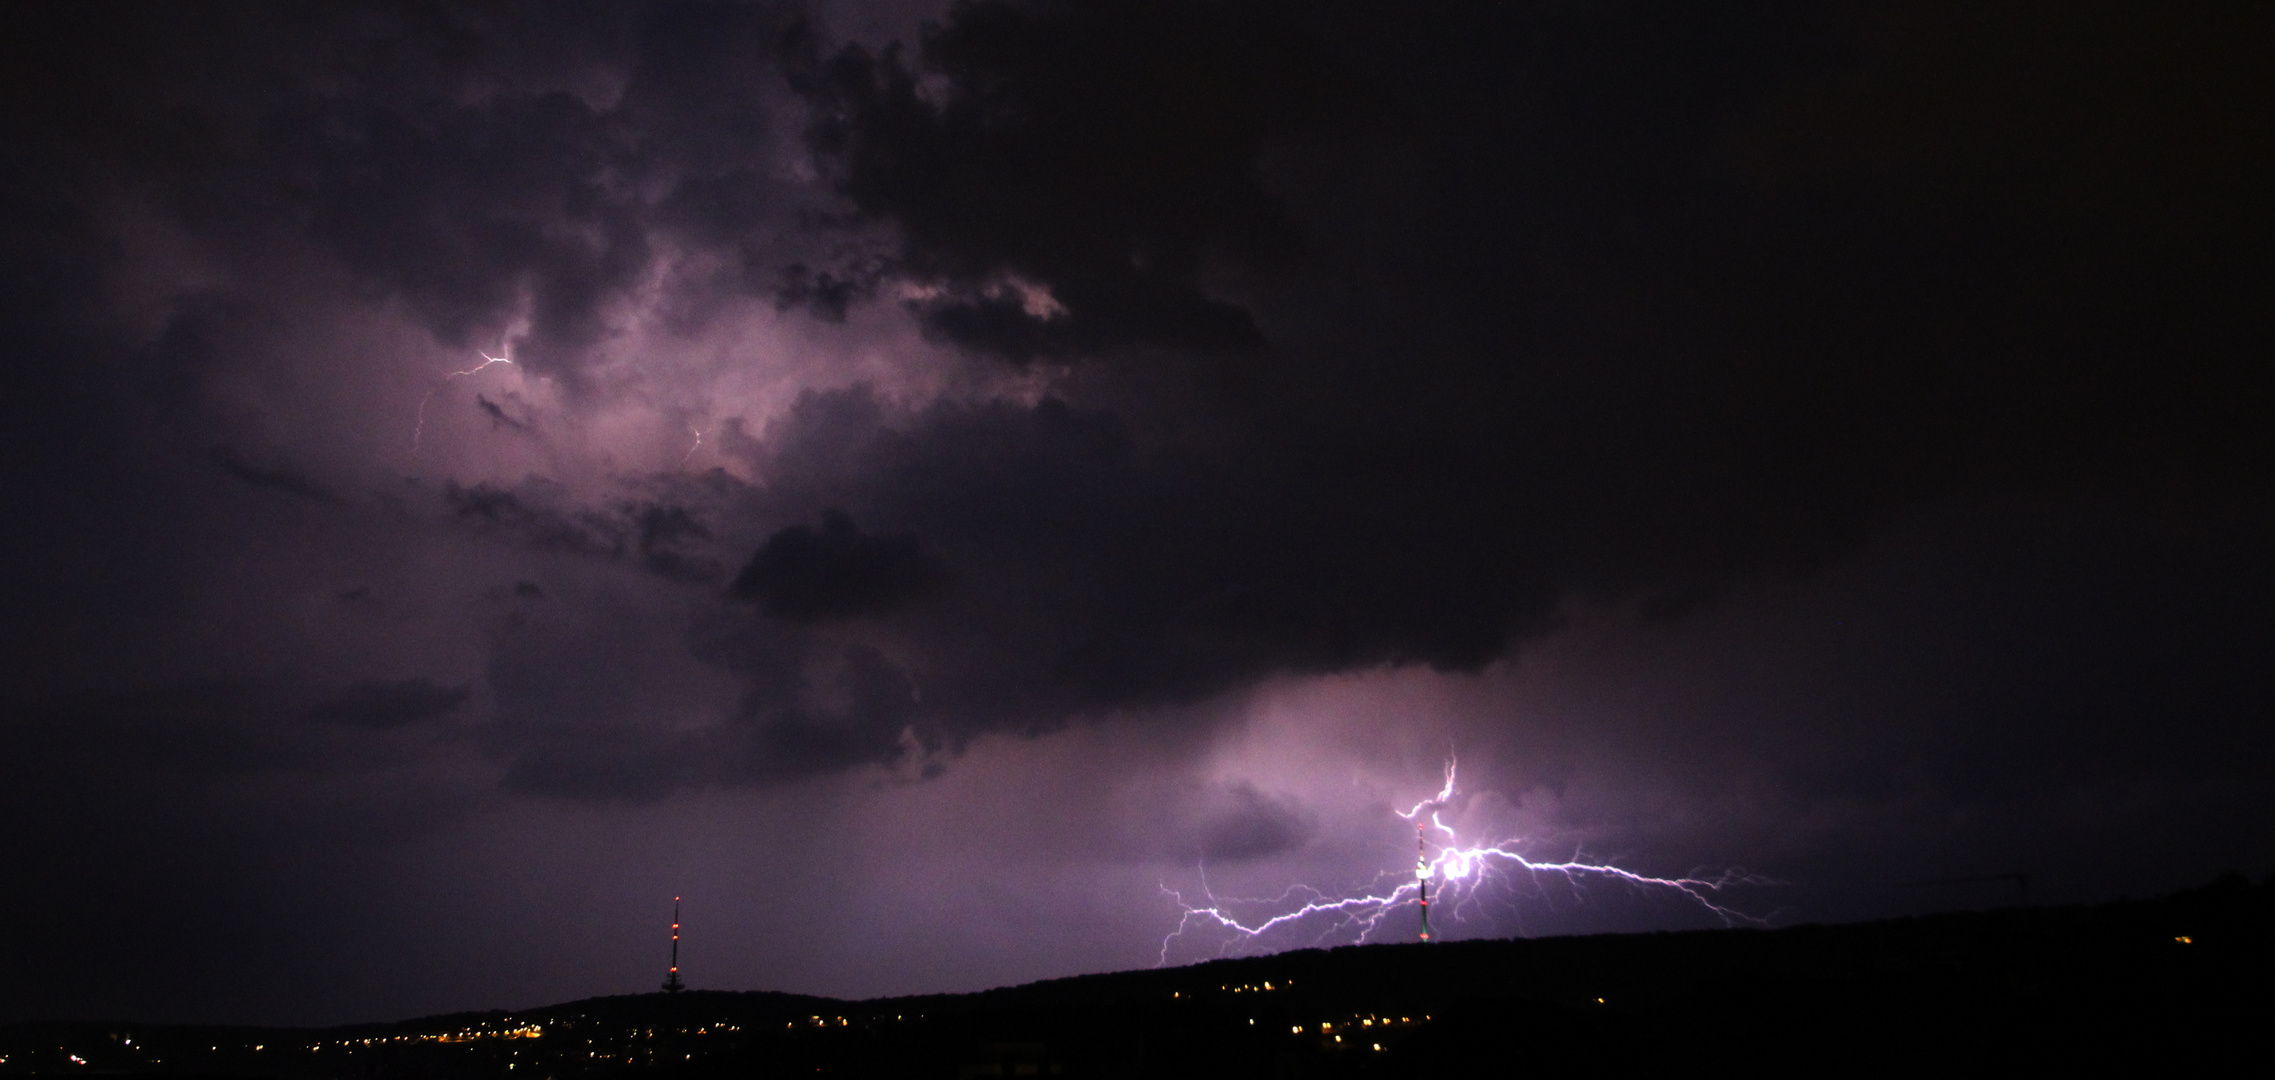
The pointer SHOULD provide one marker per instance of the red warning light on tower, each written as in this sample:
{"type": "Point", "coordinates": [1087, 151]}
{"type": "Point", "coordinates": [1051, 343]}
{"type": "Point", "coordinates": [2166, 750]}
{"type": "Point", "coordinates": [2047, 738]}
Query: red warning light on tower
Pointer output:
{"type": "Point", "coordinates": [671, 981]}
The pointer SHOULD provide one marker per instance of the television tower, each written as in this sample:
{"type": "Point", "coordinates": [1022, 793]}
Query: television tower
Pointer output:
{"type": "Point", "coordinates": [671, 982]}
{"type": "Point", "coordinates": [1422, 878]}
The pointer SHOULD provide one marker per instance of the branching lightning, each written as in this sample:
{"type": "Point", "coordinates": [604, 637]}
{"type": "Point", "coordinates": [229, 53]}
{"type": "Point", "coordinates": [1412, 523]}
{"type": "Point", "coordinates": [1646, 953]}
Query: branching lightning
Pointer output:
{"type": "Point", "coordinates": [487, 360]}
{"type": "Point", "coordinates": [1309, 917]}
{"type": "Point", "coordinates": [419, 428]}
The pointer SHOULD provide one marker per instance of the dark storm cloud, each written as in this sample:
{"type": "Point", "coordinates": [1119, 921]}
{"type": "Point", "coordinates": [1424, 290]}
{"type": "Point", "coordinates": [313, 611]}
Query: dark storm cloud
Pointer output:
{"type": "Point", "coordinates": [874, 701]}
{"type": "Point", "coordinates": [1106, 152]}
{"type": "Point", "coordinates": [542, 515]}
{"type": "Point", "coordinates": [807, 708]}
{"type": "Point", "coordinates": [827, 294]}
{"type": "Point", "coordinates": [1255, 825]}
{"type": "Point", "coordinates": [1093, 574]}
{"type": "Point", "coordinates": [661, 529]}
{"type": "Point", "coordinates": [1628, 300]}
{"type": "Point", "coordinates": [538, 515]}
{"type": "Point", "coordinates": [284, 480]}
{"type": "Point", "coordinates": [1031, 564]}
{"type": "Point", "coordinates": [455, 208]}
{"type": "Point", "coordinates": [806, 575]}
{"type": "Point", "coordinates": [499, 418]}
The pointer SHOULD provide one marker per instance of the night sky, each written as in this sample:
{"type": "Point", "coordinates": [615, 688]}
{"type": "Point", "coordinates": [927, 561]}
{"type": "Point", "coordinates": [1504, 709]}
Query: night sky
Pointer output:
{"type": "Point", "coordinates": [965, 471]}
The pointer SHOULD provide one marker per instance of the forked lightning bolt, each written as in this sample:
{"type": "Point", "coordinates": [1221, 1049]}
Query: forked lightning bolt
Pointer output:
{"type": "Point", "coordinates": [419, 428]}
{"type": "Point", "coordinates": [1311, 917]}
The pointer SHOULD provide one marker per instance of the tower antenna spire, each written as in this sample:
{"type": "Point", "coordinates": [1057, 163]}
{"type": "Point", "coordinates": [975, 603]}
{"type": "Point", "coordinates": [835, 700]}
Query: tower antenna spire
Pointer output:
{"type": "Point", "coordinates": [671, 981]}
{"type": "Point", "coordinates": [1422, 877]}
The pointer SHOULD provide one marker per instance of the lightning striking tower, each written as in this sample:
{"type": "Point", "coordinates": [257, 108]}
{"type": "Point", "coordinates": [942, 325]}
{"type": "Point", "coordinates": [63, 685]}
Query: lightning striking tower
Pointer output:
{"type": "Point", "coordinates": [671, 981]}
{"type": "Point", "coordinates": [1422, 878]}
{"type": "Point", "coordinates": [1308, 915]}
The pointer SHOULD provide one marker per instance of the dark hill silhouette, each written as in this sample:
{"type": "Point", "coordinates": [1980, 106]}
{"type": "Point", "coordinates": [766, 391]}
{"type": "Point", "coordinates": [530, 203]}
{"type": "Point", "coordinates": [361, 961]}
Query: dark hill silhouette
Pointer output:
{"type": "Point", "coordinates": [2168, 984]}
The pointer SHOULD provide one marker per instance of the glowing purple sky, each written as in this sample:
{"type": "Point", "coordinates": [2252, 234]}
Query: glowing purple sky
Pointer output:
{"type": "Point", "coordinates": [945, 493]}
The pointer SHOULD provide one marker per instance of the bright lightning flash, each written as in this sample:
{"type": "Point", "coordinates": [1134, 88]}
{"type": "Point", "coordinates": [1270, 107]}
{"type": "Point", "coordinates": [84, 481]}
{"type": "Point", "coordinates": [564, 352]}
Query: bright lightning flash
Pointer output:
{"type": "Point", "coordinates": [419, 428]}
{"type": "Point", "coordinates": [1459, 874]}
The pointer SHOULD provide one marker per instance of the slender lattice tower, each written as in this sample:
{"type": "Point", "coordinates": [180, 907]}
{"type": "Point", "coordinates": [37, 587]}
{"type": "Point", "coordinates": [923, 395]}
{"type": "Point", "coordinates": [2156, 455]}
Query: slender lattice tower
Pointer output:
{"type": "Point", "coordinates": [671, 981]}
{"type": "Point", "coordinates": [1422, 878]}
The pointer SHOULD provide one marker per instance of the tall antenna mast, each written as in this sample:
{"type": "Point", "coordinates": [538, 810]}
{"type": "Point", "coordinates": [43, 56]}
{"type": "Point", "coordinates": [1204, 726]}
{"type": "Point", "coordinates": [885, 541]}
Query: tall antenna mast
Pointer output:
{"type": "Point", "coordinates": [671, 982]}
{"type": "Point", "coordinates": [1422, 877]}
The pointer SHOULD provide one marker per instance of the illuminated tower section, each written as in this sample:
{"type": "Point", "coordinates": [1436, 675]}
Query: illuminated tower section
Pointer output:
{"type": "Point", "coordinates": [671, 981]}
{"type": "Point", "coordinates": [1422, 879]}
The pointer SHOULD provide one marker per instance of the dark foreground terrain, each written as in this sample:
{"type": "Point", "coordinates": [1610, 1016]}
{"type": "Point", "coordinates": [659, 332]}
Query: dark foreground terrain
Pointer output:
{"type": "Point", "coordinates": [2162, 985]}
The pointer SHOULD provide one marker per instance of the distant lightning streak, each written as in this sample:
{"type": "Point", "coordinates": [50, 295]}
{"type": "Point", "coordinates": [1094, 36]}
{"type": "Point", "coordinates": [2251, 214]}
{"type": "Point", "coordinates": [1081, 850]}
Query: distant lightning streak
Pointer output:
{"type": "Point", "coordinates": [692, 449]}
{"type": "Point", "coordinates": [1312, 917]}
{"type": "Point", "coordinates": [487, 360]}
{"type": "Point", "coordinates": [418, 429]}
